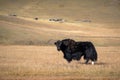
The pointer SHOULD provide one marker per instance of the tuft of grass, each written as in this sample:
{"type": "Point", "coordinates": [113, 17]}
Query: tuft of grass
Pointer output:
{"type": "Point", "coordinates": [19, 62]}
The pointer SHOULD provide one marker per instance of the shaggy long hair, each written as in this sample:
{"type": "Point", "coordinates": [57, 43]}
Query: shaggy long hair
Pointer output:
{"type": "Point", "coordinates": [75, 50]}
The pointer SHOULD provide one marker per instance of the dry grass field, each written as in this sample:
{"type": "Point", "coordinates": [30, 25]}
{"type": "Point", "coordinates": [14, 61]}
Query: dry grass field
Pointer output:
{"type": "Point", "coordinates": [25, 31]}
{"type": "Point", "coordinates": [22, 29]}
{"type": "Point", "coordinates": [46, 63]}
{"type": "Point", "coordinates": [26, 44]}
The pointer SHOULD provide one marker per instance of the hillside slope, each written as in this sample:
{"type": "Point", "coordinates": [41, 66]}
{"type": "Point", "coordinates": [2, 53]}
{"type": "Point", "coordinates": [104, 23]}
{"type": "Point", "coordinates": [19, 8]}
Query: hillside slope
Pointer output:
{"type": "Point", "coordinates": [72, 10]}
{"type": "Point", "coordinates": [96, 20]}
{"type": "Point", "coordinates": [15, 30]}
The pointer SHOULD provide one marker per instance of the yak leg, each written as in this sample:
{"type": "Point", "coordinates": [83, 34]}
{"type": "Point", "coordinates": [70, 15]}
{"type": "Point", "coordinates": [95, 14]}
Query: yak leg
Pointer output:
{"type": "Point", "coordinates": [86, 61]}
{"type": "Point", "coordinates": [68, 57]}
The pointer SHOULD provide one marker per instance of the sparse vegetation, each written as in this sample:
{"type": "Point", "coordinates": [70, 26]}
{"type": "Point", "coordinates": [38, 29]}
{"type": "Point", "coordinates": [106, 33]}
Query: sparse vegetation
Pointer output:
{"type": "Point", "coordinates": [17, 31]}
{"type": "Point", "coordinates": [44, 62]}
{"type": "Point", "coordinates": [26, 22]}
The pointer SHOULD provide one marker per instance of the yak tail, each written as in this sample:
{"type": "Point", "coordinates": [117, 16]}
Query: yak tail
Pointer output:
{"type": "Point", "coordinates": [95, 56]}
{"type": "Point", "coordinates": [94, 53]}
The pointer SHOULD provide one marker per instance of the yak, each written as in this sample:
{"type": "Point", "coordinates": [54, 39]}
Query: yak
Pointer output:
{"type": "Point", "coordinates": [73, 50]}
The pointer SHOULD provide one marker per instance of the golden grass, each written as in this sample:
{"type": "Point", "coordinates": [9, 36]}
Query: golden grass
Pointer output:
{"type": "Point", "coordinates": [97, 11]}
{"type": "Point", "coordinates": [22, 31]}
{"type": "Point", "coordinates": [45, 62]}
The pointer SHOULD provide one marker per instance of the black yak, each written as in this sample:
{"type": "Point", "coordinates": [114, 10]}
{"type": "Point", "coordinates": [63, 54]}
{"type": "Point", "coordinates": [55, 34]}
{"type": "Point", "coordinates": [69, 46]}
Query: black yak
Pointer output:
{"type": "Point", "coordinates": [73, 50]}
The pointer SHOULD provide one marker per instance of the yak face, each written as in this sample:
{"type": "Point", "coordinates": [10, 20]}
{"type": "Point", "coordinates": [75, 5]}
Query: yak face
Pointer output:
{"type": "Point", "coordinates": [58, 45]}
{"type": "Point", "coordinates": [64, 44]}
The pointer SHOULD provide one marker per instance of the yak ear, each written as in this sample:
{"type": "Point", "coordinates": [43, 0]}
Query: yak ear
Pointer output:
{"type": "Point", "coordinates": [55, 43]}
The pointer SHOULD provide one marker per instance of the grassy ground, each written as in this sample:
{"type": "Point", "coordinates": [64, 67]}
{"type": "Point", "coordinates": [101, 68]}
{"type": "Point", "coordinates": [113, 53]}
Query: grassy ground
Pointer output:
{"type": "Point", "coordinates": [19, 27]}
{"type": "Point", "coordinates": [96, 11]}
{"type": "Point", "coordinates": [25, 31]}
{"type": "Point", "coordinates": [44, 63]}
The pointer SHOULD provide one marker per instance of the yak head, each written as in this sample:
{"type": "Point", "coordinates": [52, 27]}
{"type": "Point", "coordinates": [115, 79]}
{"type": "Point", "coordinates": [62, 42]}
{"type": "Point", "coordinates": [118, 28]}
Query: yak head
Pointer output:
{"type": "Point", "coordinates": [58, 45]}
{"type": "Point", "coordinates": [64, 44]}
